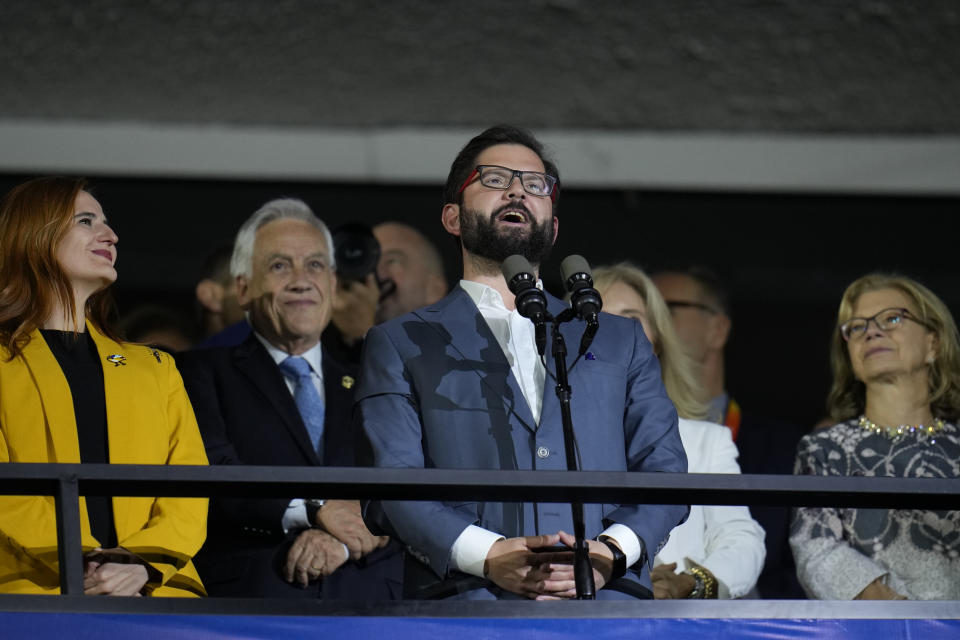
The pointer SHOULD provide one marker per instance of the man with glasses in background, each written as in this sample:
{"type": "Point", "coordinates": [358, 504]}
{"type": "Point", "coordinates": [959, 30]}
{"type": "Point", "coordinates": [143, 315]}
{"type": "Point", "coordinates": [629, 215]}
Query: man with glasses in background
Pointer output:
{"type": "Point", "coordinates": [459, 385]}
{"type": "Point", "coordinates": [701, 316]}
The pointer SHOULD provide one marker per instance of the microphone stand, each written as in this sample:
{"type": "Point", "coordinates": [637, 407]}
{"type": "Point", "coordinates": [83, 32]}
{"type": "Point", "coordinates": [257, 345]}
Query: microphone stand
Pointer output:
{"type": "Point", "coordinates": [582, 569]}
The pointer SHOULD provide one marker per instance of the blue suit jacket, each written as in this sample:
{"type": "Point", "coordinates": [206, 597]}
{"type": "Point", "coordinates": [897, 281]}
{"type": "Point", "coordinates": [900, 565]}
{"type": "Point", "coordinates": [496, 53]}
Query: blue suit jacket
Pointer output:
{"type": "Point", "coordinates": [436, 391]}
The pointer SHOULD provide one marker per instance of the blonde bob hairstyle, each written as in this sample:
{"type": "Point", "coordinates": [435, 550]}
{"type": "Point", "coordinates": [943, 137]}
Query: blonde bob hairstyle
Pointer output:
{"type": "Point", "coordinates": [847, 397]}
{"type": "Point", "coordinates": [676, 366]}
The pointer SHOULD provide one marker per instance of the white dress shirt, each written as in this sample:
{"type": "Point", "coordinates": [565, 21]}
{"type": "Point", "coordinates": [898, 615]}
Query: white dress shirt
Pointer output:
{"type": "Point", "coordinates": [515, 335]}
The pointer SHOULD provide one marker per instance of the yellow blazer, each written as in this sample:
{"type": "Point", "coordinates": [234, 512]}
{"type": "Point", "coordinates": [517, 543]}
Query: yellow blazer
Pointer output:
{"type": "Point", "coordinates": [149, 421]}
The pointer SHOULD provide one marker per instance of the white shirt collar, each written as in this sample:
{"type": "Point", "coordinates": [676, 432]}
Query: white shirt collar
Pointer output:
{"type": "Point", "coordinates": [515, 336]}
{"type": "Point", "coordinates": [313, 356]}
{"type": "Point", "coordinates": [483, 294]}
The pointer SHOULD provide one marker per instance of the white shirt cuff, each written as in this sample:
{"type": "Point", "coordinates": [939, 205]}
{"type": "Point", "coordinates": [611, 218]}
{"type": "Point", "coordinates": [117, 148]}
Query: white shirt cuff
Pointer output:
{"type": "Point", "coordinates": [295, 517]}
{"type": "Point", "coordinates": [627, 540]}
{"type": "Point", "coordinates": [470, 549]}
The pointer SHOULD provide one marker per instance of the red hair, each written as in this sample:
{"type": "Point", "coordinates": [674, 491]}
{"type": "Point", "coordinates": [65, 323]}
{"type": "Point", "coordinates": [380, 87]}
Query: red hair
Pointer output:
{"type": "Point", "coordinates": [34, 217]}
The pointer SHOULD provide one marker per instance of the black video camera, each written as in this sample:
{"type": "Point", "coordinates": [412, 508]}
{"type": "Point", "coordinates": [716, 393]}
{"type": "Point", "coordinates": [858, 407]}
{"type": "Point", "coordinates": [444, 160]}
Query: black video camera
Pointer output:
{"type": "Point", "coordinates": [357, 253]}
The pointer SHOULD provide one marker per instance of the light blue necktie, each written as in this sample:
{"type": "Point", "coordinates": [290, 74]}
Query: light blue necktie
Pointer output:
{"type": "Point", "coordinates": [307, 398]}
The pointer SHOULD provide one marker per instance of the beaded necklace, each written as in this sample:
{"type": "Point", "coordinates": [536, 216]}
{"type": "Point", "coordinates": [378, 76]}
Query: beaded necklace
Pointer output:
{"type": "Point", "coordinates": [895, 432]}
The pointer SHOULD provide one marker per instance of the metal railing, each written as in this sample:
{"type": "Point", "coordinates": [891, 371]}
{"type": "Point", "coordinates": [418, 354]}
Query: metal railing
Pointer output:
{"type": "Point", "coordinates": [67, 482]}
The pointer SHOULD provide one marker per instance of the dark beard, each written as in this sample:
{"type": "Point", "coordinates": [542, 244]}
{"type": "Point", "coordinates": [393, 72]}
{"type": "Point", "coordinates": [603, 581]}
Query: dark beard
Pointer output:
{"type": "Point", "coordinates": [480, 236]}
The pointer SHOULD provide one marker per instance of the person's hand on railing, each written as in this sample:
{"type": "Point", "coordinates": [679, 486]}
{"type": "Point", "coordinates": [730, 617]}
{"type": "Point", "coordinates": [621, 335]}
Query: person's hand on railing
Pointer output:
{"type": "Point", "coordinates": [101, 577]}
{"type": "Point", "coordinates": [344, 521]}
{"type": "Point", "coordinates": [515, 565]}
{"type": "Point", "coordinates": [601, 558]}
{"type": "Point", "coordinates": [313, 555]}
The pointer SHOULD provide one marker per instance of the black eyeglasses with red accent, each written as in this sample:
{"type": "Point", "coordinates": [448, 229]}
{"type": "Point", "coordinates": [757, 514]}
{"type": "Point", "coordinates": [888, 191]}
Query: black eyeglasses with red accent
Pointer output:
{"type": "Point", "coordinates": [536, 183]}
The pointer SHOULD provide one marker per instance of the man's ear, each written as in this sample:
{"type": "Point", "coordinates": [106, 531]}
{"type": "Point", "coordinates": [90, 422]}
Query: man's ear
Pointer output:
{"type": "Point", "coordinates": [720, 331]}
{"type": "Point", "coordinates": [210, 295]}
{"type": "Point", "coordinates": [556, 225]}
{"type": "Point", "coordinates": [450, 217]}
{"type": "Point", "coordinates": [243, 292]}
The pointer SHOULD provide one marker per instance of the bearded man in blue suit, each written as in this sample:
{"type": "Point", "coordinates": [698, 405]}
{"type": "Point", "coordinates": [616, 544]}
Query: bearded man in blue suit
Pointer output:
{"type": "Point", "coordinates": [459, 385]}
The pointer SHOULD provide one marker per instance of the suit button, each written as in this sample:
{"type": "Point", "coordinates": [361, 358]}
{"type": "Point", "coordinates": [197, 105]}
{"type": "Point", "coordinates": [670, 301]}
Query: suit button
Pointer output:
{"type": "Point", "coordinates": [543, 452]}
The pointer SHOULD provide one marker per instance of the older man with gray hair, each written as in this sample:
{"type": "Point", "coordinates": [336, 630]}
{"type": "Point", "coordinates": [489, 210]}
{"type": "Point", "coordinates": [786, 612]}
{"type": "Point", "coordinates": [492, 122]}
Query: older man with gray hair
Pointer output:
{"type": "Point", "coordinates": [278, 399]}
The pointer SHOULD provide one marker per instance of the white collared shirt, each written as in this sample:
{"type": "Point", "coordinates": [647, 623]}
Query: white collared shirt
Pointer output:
{"type": "Point", "coordinates": [313, 356]}
{"type": "Point", "coordinates": [515, 335]}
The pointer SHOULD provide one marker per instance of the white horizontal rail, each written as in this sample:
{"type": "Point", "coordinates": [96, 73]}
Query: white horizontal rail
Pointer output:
{"type": "Point", "coordinates": [882, 164]}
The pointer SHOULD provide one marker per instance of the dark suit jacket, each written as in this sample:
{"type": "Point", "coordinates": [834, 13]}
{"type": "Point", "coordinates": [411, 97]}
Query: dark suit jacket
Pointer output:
{"type": "Point", "coordinates": [437, 391]}
{"type": "Point", "coordinates": [247, 415]}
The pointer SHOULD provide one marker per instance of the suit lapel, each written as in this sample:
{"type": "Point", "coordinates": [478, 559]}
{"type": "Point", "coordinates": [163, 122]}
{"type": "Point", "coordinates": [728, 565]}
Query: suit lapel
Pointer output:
{"type": "Point", "coordinates": [56, 399]}
{"type": "Point", "coordinates": [460, 323]}
{"type": "Point", "coordinates": [61, 422]}
{"type": "Point", "coordinates": [338, 413]}
{"type": "Point", "coordinates": [121, 378]}
{"type": "Point", "coordinates": [120, 382]}
{"type": "Point", "coordinates": [253, 361]}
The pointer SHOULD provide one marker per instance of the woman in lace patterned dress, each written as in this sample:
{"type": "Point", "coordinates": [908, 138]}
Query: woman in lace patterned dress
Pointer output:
{"type": "Point", "coordinates": [896, 398]}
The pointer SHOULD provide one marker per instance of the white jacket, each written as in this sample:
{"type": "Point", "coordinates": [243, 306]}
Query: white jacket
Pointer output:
{"type": "Point", "coordinates": [725, 540]}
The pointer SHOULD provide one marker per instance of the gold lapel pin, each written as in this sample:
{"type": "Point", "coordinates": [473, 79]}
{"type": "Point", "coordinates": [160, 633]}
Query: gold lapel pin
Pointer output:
{"type": "Point", "coordinates": [347, 382]}
{"type": "Point", "coordinates": [117, 359]}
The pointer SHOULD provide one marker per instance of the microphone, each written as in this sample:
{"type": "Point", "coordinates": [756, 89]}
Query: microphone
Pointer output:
{"type": "Point", "coordinates": [584, 299]}
{"type": "Point", "coordinates": [530, 301]}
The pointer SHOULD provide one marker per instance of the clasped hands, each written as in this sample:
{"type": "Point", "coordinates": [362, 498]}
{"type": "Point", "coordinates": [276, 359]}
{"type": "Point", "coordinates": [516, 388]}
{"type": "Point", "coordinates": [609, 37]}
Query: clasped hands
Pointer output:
{"type": "Point", "coordinates": [515, 564]}
{"type": "Point", "coordinates": [101, 577]}
{"type": "Point", "coordinates": [319, 551]}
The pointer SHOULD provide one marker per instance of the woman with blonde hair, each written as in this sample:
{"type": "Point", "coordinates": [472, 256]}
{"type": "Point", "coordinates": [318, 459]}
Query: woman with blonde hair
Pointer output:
{"type": "Point", "coordinates": [71, 392]}
{"type": "Point", "coordinates": [719, 549]}
{"type": "Point", "coordinates": [895, 398]}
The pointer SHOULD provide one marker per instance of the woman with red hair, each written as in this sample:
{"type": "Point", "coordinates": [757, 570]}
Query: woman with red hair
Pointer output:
{"type": "Point", "coordinates": [71, 392]}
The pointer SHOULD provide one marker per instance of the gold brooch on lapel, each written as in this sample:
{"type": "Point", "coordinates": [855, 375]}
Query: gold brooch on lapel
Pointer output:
{"type": "Point", "coordinates": [117, 359]}
{"type": "Point", "coordinates": [347, 382]}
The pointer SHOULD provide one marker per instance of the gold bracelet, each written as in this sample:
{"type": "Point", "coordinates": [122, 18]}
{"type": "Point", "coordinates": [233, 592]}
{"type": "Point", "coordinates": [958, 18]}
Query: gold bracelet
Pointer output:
{"type": "Point", "coordinates": [698, 588]}
{"type": "Point", "coordinates": [709, 582]}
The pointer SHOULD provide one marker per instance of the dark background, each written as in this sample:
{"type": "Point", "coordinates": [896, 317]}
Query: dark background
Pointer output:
{"type": "Point", "coordinates": [785, 258]}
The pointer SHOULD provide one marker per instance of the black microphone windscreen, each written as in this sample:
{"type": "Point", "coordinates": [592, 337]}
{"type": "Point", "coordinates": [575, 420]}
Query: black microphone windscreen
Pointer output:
{"type": "Point", "coordinates": [514, 265]}
{"type": "Point", "coordinates": [573, 265]}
